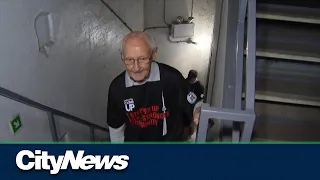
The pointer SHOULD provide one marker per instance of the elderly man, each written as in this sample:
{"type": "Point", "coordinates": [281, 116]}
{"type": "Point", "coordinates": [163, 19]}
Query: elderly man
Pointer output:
{"type": "Point", "coordinates": [148, 101]}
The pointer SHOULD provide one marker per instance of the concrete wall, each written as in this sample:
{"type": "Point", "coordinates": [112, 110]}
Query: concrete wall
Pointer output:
{"type": "Point", "coordinates": [76, 75]}
{"type": "Point", "coordinates": [131, 11]}
{"type": "Point", "coordinates": [182, 56]}
{"type": "Point", "coordinates": [84, 59]}
{"type": "Point", "coordinates": [35, 125]}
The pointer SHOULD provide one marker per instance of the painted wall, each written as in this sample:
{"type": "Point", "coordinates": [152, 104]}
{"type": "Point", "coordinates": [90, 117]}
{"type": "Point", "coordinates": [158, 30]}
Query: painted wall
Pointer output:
{"type": "Point", "coordinates": [182, 56]}
{"type": "Point", "coordinates": [35, 125]}
{"type": "Point", "coordinates": [84, 59]}
{"type": "Point", "coordinates": [76, 75]}
{"type": "Point", "coordinates": [131, 11]}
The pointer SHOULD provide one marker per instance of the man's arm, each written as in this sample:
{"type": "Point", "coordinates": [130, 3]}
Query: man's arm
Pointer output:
{"type": "Point", "coordinates": [197, 106]}
{"type": "Point", "coordinates": [196, 112]}
{"type": "Point", "coordinates": [114, 118]}
{"type": "Point", "coordinates": [201, 91]}
{"type": "Point", "coordinates": [175, 133]}
{"type": "Point", "coordinates": [185, 105]}
{"type": "Point", "coordinates": [117, 134]}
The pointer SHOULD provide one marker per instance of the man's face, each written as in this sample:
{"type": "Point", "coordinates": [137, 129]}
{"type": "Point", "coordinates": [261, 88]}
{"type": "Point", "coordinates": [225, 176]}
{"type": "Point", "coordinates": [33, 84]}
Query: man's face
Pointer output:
{"type": "Point", "coordinates": [192, 80]}
{"type": "Point", "coordinates": [137, 57]}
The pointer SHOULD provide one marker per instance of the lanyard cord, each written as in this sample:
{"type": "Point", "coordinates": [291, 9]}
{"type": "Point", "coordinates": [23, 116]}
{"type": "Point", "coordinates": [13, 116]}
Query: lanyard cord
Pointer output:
{"type": "Point", "coordinates": [164, 129]}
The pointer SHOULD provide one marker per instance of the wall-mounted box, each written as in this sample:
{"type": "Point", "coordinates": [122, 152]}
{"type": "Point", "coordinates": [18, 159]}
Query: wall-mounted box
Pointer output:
{"type": "Point", "coordinates": [182, 30]}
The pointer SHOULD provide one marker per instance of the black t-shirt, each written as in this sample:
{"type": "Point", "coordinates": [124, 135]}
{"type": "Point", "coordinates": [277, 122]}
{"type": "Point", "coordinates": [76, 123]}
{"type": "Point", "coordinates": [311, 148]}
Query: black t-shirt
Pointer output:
{"type": "Point", "coordinates": [141, 108]}
{"type": "Point", "coordinates": [195, 92]}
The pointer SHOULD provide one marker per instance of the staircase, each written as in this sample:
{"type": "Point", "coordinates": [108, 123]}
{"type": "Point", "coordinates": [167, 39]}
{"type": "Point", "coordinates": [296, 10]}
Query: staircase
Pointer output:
{"type": "Point", "coordinates": [288, 71]}
{"type": "Point", "coordinates": [53, 114]}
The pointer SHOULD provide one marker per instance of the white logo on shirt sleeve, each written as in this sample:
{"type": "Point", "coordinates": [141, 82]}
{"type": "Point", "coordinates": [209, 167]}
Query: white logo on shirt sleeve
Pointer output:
{"type": "Point", "coordinates": [191, 97]}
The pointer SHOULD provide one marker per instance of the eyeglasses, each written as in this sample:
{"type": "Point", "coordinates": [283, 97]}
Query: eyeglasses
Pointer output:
{"type": "Point", "coordinates": [141, 61]}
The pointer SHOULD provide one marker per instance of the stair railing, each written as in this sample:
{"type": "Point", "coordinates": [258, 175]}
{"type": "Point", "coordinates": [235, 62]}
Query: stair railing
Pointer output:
{"type": "Point", "coordinates": [238, 114]}
{"type": "Point", "coordinates": [51, 113]}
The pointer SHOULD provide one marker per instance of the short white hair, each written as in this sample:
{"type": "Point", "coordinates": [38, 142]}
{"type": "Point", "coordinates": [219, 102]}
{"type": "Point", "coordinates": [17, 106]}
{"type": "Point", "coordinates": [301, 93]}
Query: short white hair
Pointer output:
{"type": "Point", "coordinates": [145, 35]}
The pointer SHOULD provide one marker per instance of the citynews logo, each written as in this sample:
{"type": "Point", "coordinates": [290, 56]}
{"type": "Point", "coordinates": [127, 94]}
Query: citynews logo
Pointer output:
{"type": "Point", "coordinates": [40, 160]}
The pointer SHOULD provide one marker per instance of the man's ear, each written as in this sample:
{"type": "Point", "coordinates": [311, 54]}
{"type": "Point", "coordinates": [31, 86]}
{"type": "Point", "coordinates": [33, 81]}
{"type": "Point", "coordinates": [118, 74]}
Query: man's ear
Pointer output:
{"type": "Point", "coordinates": [121, 55]}
{"type": "Point", "coordinates": [154, 53]}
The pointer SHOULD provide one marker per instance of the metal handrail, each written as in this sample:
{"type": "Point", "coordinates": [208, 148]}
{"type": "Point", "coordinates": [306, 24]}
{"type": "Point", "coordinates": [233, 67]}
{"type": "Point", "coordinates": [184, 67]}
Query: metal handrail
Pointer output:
{"type": "Point", "coordinates": [16, 97]}
{"type": "Point", "coordinates": [239, 114]}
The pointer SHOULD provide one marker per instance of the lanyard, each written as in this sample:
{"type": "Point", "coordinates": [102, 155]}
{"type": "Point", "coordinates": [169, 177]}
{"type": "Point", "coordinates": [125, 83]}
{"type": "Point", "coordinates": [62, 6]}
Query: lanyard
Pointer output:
{"type": "Point", "coordinates": [164, 129]}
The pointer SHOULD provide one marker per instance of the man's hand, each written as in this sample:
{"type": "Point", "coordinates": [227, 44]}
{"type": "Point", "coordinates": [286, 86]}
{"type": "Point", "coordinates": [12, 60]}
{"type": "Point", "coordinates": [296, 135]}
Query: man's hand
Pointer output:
{"type": "Point", "coordinates": [196, 116]}
{"type": "Point", "coordinates": [190, 130]}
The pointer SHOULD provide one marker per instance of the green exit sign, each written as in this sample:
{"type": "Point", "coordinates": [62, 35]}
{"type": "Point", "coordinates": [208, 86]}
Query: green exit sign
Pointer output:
{"type": "Point", "coordinates": [15, 124]}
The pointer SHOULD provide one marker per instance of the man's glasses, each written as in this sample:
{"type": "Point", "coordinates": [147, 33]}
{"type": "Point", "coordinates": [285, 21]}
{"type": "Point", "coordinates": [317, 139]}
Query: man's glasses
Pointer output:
{"type": "Point", "coordinates": [141, 61]}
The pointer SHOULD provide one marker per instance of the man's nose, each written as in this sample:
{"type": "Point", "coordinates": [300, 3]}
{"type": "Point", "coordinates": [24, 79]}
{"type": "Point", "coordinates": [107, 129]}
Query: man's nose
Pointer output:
{"type": "Point", "coordinates": [136, 66]}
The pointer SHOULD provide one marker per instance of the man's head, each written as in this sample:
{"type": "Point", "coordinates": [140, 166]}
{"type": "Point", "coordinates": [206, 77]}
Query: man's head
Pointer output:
{"type": "Point", "coordinates": [192, 76]}
{"type": "Point", "coordinates": [138, 52]}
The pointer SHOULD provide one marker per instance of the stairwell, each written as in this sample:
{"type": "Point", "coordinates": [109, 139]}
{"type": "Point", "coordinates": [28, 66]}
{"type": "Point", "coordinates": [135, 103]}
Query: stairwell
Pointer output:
{"type": "Point", "coordinates": [288, 71]}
